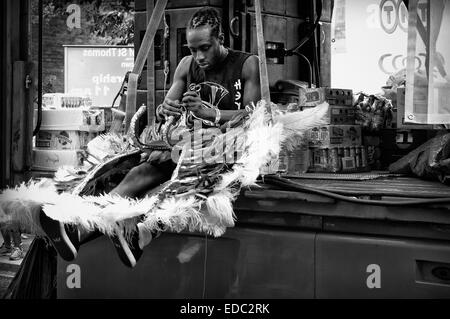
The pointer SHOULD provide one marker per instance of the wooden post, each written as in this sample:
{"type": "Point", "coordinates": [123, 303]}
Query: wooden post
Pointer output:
{"type": "Point", "coordinates": [131, 99]}
{"type": "Point", "coordinates": [263, 75]}
{"type": "Point", "coordinates": [18, 116]}
{"type": "Point", "coordinates": [30, 71]}
{"type": "Point", "coordinates": [151, 73]}
{"type": "Point", "coordinates": [139, 63]}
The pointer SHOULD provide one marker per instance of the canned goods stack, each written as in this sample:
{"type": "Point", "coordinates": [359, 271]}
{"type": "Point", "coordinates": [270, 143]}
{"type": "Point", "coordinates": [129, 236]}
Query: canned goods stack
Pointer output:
{"type": "Point", "coordinates": [341, 111]}
{"type": "Point", "coordinates": [338, 159]}
{"type": "Point", "coordinates": [337, 147]}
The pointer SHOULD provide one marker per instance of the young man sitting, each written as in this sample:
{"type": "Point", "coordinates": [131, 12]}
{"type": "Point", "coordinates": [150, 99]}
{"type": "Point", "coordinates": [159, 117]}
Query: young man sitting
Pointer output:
{"type": "Point", "coordinates": [227, 79]}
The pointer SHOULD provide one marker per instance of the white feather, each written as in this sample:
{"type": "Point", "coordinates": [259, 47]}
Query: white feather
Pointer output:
{"type": "Point", "coordinates": [263, 140]}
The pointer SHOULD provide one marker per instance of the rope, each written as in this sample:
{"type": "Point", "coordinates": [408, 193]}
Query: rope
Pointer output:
{"type": "Point", "coordinates": [288, 184]}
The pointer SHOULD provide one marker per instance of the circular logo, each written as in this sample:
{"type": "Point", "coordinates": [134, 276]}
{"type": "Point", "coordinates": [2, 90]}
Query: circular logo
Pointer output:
{"type": "Point", "coordinates": [388, 15]}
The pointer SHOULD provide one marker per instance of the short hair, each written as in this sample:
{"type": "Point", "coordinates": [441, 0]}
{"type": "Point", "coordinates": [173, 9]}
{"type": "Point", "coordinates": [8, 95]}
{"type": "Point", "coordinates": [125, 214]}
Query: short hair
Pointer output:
{"type": "Point", "coordinates": [207, 17]}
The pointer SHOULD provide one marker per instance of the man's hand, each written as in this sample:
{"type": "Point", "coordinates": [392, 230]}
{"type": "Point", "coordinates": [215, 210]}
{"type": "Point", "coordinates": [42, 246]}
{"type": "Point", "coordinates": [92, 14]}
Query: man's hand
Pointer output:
{"type": "Point", "coordinates": [192, 101]}
{"type": "Point", "coordinates": [170, 108]}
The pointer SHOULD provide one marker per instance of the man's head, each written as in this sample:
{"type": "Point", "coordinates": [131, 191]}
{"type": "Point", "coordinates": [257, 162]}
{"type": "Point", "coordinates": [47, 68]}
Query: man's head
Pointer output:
{"type": "Point", "coordinates": [205, 37]}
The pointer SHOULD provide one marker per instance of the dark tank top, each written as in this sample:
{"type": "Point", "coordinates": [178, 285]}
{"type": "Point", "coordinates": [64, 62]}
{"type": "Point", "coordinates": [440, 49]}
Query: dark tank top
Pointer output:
{"type": "Point", "coordinates": [223, 86]}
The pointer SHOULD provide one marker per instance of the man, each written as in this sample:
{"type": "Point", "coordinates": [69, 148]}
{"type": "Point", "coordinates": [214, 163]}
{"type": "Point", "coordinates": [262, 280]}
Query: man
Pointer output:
{"type": "Point", "coordinates": [213, 85]}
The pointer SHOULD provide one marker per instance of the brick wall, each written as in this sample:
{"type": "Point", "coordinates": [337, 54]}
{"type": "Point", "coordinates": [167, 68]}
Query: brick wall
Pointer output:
{"type": "Point", "coordinates": [56, 34]}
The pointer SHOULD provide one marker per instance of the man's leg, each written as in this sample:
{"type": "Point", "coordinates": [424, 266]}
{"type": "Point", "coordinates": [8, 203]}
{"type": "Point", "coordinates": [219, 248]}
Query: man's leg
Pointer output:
{"type": "Point", "coordinates": [138, 182]}
{"type": "Point", "coordinates": [67, 238]}
{"type": "Point", "coordinates": [141, 179]}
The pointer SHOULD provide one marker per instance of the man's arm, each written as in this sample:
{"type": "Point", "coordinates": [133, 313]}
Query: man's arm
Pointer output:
{"type": "Point", "coordinates": [252, 91]}
{"type": "Point", "coordinates": [252, 87]}
{"type": "Point", "coordinates": [171, 106]}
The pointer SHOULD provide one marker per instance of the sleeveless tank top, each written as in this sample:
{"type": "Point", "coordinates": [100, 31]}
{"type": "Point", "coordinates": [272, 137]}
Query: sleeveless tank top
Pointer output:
{"type": "Point", "coordinates": [223, 86]}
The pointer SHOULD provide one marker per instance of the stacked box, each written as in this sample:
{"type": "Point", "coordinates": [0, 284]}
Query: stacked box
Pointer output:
{"type": "Point", "coordinates": [51, 160]}
{"type": "Point", "coordinates": [334, 136]}
{"type": "Point", "coordinates": [341, 111]}
{"type": "Point", "coordinates": [63, 140]}
{"type": "Point", "coordinates": [64, 135]}
{"type": "Point", "coordinates": [89, 120]}
{"type": "Point", "coordinates": [337, 147]}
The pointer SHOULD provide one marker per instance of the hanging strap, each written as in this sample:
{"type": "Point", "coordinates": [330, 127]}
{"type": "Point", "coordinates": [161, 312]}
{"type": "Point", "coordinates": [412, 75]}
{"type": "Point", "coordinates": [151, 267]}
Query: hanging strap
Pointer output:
{"type": "Point", "coordinates": [133, 77]}
{"type": "Point", "coordinates": [263, 75]}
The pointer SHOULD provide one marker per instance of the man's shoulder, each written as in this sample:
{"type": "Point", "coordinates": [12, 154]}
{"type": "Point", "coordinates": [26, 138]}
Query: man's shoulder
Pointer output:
{"type": "Point", "coordinates": [235, 54]}
{"type": "Point", "coordinates": [251, 66]}
{"type": "Point", "coordinates": [185, 62]}
{"type": "Point", "coordinates": [184, 66]}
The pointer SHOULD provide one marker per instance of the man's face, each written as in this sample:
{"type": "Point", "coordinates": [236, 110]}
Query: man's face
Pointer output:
{"type": "Point", "coordinates": [205, 48]}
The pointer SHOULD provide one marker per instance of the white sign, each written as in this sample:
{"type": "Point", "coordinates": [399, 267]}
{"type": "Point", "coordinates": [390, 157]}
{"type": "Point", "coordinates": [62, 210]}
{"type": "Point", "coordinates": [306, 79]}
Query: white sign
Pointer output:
{"type": "Point", "coordinates": [369, 42]}
{"type": "Point", "coordinates": [96, 71]}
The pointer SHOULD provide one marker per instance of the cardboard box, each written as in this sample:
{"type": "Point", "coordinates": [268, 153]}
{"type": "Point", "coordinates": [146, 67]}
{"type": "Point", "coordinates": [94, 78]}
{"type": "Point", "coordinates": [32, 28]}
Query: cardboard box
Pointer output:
{"type": "Point", "coordinates": [63, 140]}
{"type": "Point", "coordinates": [51, 160]}
{"type": "Point", "coordinates": [341, 115]}
{"type": "Point", "coordinates": [343, 97]}
{"type": "Point", "coordinates": [334, 135]}
{"type": "Point", "coordinates": [73, 120]}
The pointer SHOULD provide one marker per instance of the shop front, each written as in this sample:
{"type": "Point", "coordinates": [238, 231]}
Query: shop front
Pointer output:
{"type": "Point", "coordinates": [352, 204]}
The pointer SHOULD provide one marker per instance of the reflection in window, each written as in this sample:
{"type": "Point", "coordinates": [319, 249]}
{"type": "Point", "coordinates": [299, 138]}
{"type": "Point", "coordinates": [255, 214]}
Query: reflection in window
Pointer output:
{"type": "Point", "coordinates": [78, 22]}
{"type": "Point", "coordinates": [428, 68]}
{"type": "Point", "coordinates": [368, 44]}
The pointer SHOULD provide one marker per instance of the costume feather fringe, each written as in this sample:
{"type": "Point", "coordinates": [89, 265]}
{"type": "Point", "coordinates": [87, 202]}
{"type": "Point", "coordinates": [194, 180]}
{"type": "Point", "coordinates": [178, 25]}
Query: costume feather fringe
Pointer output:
{"type": "Point", "coordinates": [211, 214]}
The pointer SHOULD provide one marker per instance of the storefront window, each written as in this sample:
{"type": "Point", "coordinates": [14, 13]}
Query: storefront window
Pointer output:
{"type": "Point", "coordinates": [87, 46]}
{"type": "Point", "coordinates": [379, 45]}
{"type": "Point", "coordinates": [369, 39]}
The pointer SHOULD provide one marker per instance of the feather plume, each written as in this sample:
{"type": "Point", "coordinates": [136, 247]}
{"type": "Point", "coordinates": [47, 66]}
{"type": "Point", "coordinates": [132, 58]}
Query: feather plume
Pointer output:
{"type": "Point", "coordinates": [295, 124]}
{"type": "Point", "coordinates": [211, 214]}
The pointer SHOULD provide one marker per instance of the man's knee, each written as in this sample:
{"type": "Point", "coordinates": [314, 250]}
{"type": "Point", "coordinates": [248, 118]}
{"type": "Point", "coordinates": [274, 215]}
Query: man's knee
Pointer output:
{"type": "Point", "coordinates": [142, 170]}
